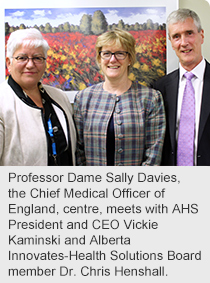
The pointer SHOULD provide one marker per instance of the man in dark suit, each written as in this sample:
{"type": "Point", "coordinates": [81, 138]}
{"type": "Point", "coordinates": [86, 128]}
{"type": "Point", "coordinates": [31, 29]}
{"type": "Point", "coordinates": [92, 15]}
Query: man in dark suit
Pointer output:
{"type": "Point", "coordinates": [186, 36]}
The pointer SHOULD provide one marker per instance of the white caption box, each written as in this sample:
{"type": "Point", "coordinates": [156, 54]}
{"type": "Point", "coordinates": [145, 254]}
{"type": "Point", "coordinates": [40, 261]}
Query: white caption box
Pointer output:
{"type": "Point", "coordinates": [95, 224]}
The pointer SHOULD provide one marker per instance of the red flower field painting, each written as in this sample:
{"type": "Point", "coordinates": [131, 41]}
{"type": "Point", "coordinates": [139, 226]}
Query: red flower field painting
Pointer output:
{"type": "Point", "coordinates": [71, 63]}
{"type": "Point", "coordinates": [71, 59]}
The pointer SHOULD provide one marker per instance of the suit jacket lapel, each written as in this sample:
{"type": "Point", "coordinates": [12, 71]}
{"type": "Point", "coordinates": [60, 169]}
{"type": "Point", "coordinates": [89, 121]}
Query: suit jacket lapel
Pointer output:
{"type": "Point", "coordinates": [172, 95]}
{"type": "Point", "coordinates": [205, 106]}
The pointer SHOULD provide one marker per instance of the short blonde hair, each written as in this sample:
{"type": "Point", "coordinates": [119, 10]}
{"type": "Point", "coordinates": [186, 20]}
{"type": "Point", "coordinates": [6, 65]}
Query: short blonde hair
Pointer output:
{"type": "Point", "coordinates": [116, 37]}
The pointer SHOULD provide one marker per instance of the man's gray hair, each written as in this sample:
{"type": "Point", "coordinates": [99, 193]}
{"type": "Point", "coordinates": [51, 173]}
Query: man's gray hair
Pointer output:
{"type": "Point", "coordinates": [181, 15]}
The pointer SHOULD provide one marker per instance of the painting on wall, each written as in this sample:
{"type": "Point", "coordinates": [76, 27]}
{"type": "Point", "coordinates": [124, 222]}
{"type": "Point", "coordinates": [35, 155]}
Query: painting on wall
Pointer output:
{"type": "Point", "coordinates": [71, 34]}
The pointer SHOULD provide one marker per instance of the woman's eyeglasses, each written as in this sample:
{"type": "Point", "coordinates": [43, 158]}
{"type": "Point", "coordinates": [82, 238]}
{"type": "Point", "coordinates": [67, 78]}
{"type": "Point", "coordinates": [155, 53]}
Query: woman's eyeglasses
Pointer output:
{"type": "Point", "coordinates": [25, 59]}
{"type": "Point", "coordinates": [119, 55]}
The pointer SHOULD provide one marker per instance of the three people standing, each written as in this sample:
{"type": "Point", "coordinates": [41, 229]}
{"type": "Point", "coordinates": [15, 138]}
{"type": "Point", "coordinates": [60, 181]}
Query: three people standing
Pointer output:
{"type": "Point", "coordinates": [119, 122]}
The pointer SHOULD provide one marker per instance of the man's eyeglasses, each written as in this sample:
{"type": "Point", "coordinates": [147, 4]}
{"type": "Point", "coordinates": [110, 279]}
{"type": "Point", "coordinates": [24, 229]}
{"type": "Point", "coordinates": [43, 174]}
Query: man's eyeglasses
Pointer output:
{"type": "Point", "coordinates": [119, 55]}
{"type": "Point", "coordinates": [25, 59]}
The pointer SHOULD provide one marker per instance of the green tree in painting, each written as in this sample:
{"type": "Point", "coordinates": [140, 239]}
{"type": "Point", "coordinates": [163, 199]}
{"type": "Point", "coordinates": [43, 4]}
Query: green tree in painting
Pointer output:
{"type": "Point", "coordinates": [121, 24]}
{"type": "Point", "coordinates": [99, 23]}
{"type": "Point", "coordinates": [7, 27]}
{"type": "Point", "coordinates": [136, 26]}
{"type": "Point", "coordinates": [114, 26]}
{"type": "Point", "coordinates": [41, 28]}
{"type": "Point", "coordinates": [66, 26]}
{"type": "Point", "coordinates": [54, 30]}
{"type": "Point", "coordinates": [22, 26]}
{"type": "Point", "coordinates": [85, 24]}
{"type": "Point", "coordinates": [35, 26]}
{"type": "Point", "coordinates": [150, 24]}
{"type": "Point", "coordinates": [60, 28]}
{"type": "Point", "coordinates": [48, 28]}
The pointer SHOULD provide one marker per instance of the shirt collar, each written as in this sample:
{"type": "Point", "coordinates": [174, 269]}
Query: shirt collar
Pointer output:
{"type": "Point", "coordinates": [22, 95]}
{"type": "Point", "coordinates": [198, 71]}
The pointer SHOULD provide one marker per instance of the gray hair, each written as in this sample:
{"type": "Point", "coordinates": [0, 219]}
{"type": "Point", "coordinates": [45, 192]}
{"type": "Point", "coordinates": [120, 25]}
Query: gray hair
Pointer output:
{"type": "Point", "coordinates": [181, 15]}
{"type": "Point", "coordinates": [31, 37]}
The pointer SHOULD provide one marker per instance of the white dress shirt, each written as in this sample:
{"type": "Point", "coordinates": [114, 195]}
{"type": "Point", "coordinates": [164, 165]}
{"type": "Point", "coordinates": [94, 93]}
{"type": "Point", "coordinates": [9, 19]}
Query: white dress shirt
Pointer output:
{"type": "Point", "coordinates": [197, 82]}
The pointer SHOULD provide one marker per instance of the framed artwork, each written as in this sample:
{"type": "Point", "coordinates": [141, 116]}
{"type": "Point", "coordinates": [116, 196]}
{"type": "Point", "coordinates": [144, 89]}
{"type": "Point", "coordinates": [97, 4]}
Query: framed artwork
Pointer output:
{"type": "Point", "coordinates": [71, 33]}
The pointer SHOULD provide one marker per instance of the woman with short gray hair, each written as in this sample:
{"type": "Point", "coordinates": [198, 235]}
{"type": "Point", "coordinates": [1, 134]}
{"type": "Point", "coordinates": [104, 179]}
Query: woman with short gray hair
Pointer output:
{"type": "Point", "coordinates": [36, 126]}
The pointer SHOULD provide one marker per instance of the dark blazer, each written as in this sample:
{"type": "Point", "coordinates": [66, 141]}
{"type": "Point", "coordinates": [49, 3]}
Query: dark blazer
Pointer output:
{"type": "Point", "coordinates": [168, 86]}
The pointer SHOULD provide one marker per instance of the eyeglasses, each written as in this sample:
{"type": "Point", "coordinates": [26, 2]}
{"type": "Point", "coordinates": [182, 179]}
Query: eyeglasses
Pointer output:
{"type": "Point", "coordinates": [119, 55]}
{"type": "Point", "coordinates": [25, 59]}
